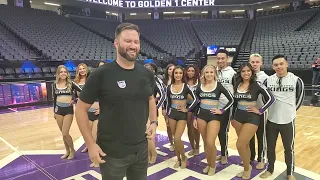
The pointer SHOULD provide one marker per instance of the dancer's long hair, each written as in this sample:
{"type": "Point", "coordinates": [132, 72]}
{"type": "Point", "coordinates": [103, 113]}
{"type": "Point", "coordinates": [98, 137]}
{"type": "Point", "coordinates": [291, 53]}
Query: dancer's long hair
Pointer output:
{"type": "Point", "coordinates": [239, 79]}
{"type": "Point", "coordinates": [202, 78]}
{"type": "Point", "coordinates": [78, 76]}
{"type": "Point", "coordinates": [195, 78]}
{"type": "Point", "coordinates": [68, 79]}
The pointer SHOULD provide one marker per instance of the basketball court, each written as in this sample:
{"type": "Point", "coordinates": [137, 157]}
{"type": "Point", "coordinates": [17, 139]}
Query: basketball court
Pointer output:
{"type": "Point", "coordinates": [31, 146]}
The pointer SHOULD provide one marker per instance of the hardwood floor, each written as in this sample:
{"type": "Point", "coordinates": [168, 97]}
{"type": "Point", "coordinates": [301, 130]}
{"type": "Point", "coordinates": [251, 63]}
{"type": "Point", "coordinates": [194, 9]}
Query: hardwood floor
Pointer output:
{"type": "Point", "coordinates": [37, 130]}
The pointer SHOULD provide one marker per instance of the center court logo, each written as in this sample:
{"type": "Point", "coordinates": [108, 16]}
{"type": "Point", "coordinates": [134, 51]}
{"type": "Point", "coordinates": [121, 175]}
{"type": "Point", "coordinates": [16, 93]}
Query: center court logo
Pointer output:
{"type": "Point", "coordinates": [121, 84]}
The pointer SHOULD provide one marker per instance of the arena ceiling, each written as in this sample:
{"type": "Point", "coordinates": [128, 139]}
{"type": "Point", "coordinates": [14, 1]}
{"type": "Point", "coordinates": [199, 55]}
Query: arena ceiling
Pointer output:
{"type": "Point", "coordinates": [219, 5]}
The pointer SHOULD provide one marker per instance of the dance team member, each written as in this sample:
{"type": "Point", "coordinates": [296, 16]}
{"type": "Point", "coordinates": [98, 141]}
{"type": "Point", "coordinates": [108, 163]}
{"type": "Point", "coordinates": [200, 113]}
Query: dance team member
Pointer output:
{"type": "Point", "coordinates": [256, 63]}
{"type": "Point", "coordinates": [246, 114]}
{"type": "Point", "coordinates": [177, 109]}
{"type": "Point", "coordinates": [159, 89]}
{"type": "Point", "coordinates": [288, 90]}
{"type": "Point", "coordinates": [226, 78]}
{"type": "Point", "coordinates": [81, 77]}
{"type": "Point", "coordinates": [209, 115]}
{"type": "Point", "coordinates": [167, 81]}
{"type": "Point", "coordinates": [191, 77]}
{"type": "Point", "coordinates": [62, 93]}
{"type": "Point", "coordinates": [82, 74]}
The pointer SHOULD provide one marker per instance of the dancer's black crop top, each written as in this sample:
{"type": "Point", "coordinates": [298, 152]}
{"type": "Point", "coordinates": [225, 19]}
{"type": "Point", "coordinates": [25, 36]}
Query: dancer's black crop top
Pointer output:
{"type": "Point", "coordinates": [215, 95]}
{"type": "Point", "coordinates": [63, 91]}
{"type": "Point", "coordinates": [182, 95]}
{"type": "Point", "coordinates": [252, 96]}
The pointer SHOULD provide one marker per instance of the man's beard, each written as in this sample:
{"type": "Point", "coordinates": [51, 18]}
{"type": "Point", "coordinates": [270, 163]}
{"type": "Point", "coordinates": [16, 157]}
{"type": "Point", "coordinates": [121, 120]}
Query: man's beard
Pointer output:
{"type": "Point", "coordinates": [123, 52]}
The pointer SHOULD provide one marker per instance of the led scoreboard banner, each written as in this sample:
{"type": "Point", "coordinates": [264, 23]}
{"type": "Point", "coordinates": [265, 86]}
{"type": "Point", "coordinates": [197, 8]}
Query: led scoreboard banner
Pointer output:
{"type": "Point", "coordinates": [154, 3]}
{"type": "Point", "coordinates": [13, 93]}
{"type": "Point", "coordinates": [212, 50]}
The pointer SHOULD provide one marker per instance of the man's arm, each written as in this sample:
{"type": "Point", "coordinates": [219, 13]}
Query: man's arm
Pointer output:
{"type": "Point", "coordinates": [152, 109]}
{"type": "Point", "coordinates": [87, 97]}
{"type": "Point", "coordinates": [151, 131]}
{"type": "Point", "coordinates": [152, 101]}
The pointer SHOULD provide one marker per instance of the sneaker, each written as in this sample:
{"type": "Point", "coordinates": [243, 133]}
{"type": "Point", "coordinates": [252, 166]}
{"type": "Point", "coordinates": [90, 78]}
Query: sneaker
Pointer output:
{"type": "Point", "coordinates": [212, 171]}
{"type": "Point", "coordinates": [291, 177]}
{"type": "Point", "coordinates": [171, 148]}
{"type": "Point", "coordinates": [247, 174]}
{"type": "Point", "coordinates": [224, 160]}
{"type": "Point", "coordinates": [176, 165]}
{"type": "Point", "coordinates": [191, 153]}
{"type": "Point", "coordinates": [196, 152]}
{"type": "Point", "coordinates": [260, 165]}
{"type": "Point", "coordinates": [183, 164]}
{"type": "Point", "coordinates": [265, 175]}
{"type": "Point", "coordinates": [206, 170]}
{"type": "Point", "coordinates": [239, 175]}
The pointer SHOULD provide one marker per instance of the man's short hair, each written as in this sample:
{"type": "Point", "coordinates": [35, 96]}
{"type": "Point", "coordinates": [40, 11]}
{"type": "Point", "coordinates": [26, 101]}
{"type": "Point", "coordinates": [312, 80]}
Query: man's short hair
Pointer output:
{"type": "Point", "coordinates": [223, 51]}
{"type": "Point", "coordinates": [255, 55]}
{"type": "Point", "coordinates": [126, 26]}
{"type": "Point", "coordinates": [279, 56]}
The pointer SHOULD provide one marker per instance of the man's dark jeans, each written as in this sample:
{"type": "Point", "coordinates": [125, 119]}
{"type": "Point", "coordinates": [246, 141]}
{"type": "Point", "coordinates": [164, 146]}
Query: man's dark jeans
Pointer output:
{"type": "Point", "coordinates": [133, 166]}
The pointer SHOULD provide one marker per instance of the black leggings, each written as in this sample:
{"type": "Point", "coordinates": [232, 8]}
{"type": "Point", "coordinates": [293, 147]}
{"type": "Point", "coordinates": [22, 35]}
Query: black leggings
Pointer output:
{"type": "Point", "coordinates": [287, 132]}
{"type": "Point", "coordinates": [223, 133]}
{"type": "Point", "coordinates": [262, 141]}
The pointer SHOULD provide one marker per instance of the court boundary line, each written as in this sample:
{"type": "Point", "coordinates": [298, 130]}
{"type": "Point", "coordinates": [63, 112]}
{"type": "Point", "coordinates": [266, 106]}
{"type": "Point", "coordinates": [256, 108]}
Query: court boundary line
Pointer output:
{"type": "Point", "coordinates": [37, 166]}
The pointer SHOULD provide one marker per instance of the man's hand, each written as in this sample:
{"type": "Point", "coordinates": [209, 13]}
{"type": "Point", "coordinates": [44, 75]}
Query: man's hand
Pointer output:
{"type": "Point", "coordinates": [97, 111]}
{"type": "Point", "coordinates": [95, 154]}
{"type": "Point", "coordinates": [151, 131]}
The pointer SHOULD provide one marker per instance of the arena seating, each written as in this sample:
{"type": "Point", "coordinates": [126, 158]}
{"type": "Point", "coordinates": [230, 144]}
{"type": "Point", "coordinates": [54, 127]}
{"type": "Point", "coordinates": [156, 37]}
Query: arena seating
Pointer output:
{"type": "Point", "coordinates": [170, 35]}
{"type": "Point", "coordinates": [56, 36]}
{"type": "Point", "coordinates": [276, 34]}
{"type": "Point", "coordinates": [312, 33]}
{"type": "Point", "coordinates": [107, 27]}
{"type": "Point", "coordinates": [77, 38]}
{"type": "Point", "coordinates": [36, 72]}
{"type": "Point", "coordinates": [12, 48]}
{"type": "Point", "coordinates": [226, 32]}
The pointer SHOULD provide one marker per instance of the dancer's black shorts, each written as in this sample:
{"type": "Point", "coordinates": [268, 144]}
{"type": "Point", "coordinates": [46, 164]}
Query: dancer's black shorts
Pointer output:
{"type": "Point", "coordinates": [63, 111]}
{"type": "Point", "coordinates": [177, 115]}
{"type": "Point", "coordinates": [207, 116]}
{"type": "Point", "coordinates": [247, 117]}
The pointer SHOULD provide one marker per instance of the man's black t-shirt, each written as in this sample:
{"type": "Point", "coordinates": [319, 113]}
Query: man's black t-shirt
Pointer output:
{"type": "Point", "coordinates": [123, 96]}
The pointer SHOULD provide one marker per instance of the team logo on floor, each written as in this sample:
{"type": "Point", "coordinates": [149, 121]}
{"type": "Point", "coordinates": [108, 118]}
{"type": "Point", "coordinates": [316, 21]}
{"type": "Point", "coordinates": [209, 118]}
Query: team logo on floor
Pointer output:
{"type": "Point", "coordinates": [49, 166]}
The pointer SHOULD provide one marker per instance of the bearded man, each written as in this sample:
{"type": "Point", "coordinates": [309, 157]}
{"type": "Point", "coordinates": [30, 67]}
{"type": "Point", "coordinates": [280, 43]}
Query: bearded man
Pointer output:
{"type": "Point", "coordinates": [124, 89]}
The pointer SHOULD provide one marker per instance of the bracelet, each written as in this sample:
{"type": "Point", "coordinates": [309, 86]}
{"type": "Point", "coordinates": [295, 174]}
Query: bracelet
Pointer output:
{"type": "Point", "coordinates": [154, 122]}
{"type": "Point", "coordinates": [261, 111]}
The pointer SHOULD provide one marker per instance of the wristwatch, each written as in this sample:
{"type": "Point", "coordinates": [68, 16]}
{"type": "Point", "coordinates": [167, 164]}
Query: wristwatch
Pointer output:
{"type": "Point", "coordinates": [154, 122]}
